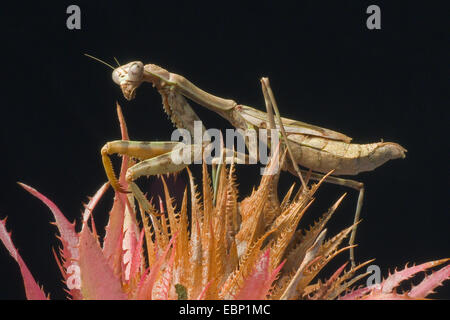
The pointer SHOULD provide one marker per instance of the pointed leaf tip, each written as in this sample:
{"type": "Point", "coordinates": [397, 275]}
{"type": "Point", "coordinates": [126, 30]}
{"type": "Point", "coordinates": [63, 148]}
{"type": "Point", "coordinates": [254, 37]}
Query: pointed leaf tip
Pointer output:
{"type": "Point", "coordinates": [32, 289]}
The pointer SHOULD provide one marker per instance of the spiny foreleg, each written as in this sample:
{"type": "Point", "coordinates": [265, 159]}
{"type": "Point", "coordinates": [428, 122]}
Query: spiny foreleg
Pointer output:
{"type": "Point", "coordinates": [157, 158]}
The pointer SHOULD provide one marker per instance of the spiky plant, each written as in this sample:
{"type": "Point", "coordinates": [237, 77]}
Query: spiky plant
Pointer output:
{"type": "Point", "coordinates": [223, 249]}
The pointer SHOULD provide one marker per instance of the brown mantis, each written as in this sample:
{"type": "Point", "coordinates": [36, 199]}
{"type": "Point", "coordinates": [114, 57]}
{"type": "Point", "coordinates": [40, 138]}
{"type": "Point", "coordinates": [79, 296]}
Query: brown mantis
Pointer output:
{"type": "Point", "coordinates": [318, 149]}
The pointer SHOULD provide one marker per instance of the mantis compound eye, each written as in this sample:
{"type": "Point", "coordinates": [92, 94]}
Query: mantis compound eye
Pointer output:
{"type": "Point", "coordinates": [116, 76]}
{"type": "Point", "coordinates": [135, 72]}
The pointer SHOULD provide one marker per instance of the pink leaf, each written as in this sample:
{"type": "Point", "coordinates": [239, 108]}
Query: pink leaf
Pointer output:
{"type": "Point", "coordinates": [113, 237]}
{"type": "Point", "coordinates": [336, 274]}
{"type": "Point", "coordinates": [257, 285]}
{"type": "Point", "coordinates": [203, 293]}
{"type": "Point", "coordinates": [65, 228]}
{"type": "Point", "coordinates": [94, 200]}
{"type": "Point", "coordinates": [98, 281]}
{"type": "Point", "coordinates": [145, 290]}
{"type": "Point", "coordinates": [129, 242]}
{"type": "Point", "coordinates": [69, 240]}
{"type": "Point", "coordinates": [356, 294]}
{"type": "Point", "coordinates": [397, 277]}
{"type": "Point", "coordinates": [379, 295]}
{"type": "Point", "coordinates": [385, 290]}
{"type": "Point", "coordinates": [320, 293]}
{"type": "Point", "coordinates": [32, 290]}
{"type": "Point", "coordinates": [430, 282]}
{"type": "Point", "coordinates": [123, 125]}
{"type": "Point", "coordinates": [137, 255]}
{"type": "Point", "coordinates": [112, 245]}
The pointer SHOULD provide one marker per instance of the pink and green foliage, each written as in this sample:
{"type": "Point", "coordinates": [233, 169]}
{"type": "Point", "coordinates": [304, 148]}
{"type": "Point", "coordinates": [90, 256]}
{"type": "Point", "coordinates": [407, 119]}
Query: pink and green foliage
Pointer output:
{"type": "Point", "coordinates": [227, 249]}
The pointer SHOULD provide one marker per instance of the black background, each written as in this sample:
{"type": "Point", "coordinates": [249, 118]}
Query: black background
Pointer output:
{"type": "Point", "coordinates": [326, 68]}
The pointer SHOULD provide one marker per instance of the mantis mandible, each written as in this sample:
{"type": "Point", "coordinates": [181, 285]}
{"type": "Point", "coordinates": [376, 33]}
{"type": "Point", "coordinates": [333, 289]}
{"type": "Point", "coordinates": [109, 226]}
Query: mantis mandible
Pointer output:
{"type": "Point", "coordinates": [318, 149]}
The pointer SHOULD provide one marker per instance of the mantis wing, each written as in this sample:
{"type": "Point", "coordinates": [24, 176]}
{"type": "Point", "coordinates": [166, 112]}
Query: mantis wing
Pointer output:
{"type": "Point", "coordinates": [259, 119]}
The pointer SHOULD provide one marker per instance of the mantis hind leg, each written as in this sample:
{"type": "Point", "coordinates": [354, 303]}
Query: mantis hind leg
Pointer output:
{"type": "Point", "coordinates": [357, 214]}
{"type": "Point", "coordinates": [272, 108]}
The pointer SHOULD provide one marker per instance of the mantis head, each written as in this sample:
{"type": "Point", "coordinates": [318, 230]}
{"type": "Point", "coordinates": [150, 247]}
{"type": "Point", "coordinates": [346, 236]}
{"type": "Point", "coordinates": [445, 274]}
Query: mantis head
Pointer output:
{"type": "Point", "coordinates": [129, 77]}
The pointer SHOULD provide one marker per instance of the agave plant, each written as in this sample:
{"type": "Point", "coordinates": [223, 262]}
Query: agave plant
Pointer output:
{"type": "Point", "coordinates": [214, 247]}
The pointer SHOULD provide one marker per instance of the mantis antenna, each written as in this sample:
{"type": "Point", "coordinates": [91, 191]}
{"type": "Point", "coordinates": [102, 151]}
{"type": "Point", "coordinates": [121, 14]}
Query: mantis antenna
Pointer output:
{"type": "Point", "coordinates": [101, 61]}
{"type": "Point", "coordinates": [117, 61]}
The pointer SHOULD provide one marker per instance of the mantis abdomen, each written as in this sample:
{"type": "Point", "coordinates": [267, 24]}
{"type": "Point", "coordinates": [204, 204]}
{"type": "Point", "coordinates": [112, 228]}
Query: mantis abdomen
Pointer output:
{"type": "Point", "coordinates": [323, 155]}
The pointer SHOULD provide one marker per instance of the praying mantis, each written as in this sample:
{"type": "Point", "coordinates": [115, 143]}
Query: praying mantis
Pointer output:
{"type": "Point", "coordinates": [318, 149]}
